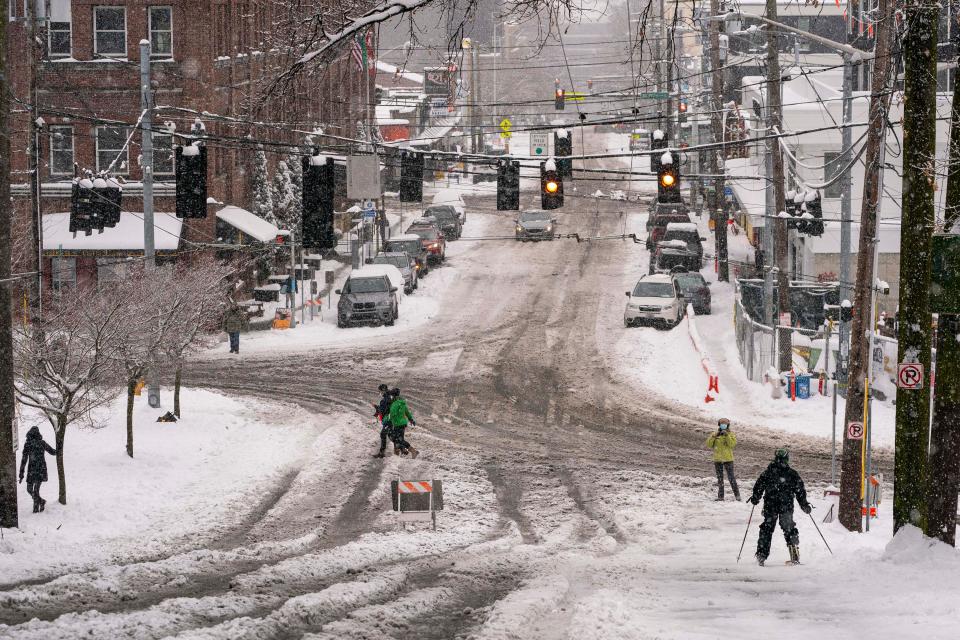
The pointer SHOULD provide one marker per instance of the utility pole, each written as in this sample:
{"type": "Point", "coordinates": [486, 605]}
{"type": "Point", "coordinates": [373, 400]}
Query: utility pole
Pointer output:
{"type": "Point", "coordinates": [774, 127]}
{"type": "Point", "coordinates": [944, 473]}
{"type": "Point", "coordinates": [913, 337]}
{"type": "Point", "coordinates": [851, 479]}
{"type": "Point", "coordinates": [146, 162]}
{"type": "Point", "coordinates": [32, 15]}
{"type": "Point", "coordinates": [846, 213]}
{"type": "Point", "coordinates": [718, 157]}
{"type": "Point", "coordinates": [658, 57]}
{"type": "Point", "coordinates": [475, 96]}
{"type": "Point", "coordinates": [8, 456]}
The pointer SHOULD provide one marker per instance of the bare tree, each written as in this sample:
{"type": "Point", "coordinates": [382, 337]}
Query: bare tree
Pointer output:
{"type": "Point", "coordinates": [65, 362]}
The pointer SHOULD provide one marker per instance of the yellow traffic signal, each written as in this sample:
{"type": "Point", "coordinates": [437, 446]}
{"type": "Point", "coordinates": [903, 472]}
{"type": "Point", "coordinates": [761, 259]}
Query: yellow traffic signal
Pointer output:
{"type": "Point", "coordinates": [551, 186]}
{"type": "Point", "coordinates": [667, 180]}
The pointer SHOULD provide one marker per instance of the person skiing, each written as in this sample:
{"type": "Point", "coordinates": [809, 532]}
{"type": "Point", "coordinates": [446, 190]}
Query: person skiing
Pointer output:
{"type": "Point", "coordinates": [235, 320]}
{"type": "Point", "coordinates": [383, 415]}
{"type": "Point", "coordinates": [778, 485]}
{"type": "Point", "coordinates": [400, 416]}
{"type": "Point", "coordinates": [35, 462]}
{"type": "Point", "coordinates": [722, 442]}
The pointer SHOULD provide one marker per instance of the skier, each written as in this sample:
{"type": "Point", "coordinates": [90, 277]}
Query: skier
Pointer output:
{"type": "Point", "coordinates": [399, 417]}
{"type": "Point", "coordinates": [778, 485]}
{"type": "Point", "coordinates": [33, 450]}
{"type": "Point", "coordinates": [383, 415]}
{"type": "Point", "coordinates": [722, 442]}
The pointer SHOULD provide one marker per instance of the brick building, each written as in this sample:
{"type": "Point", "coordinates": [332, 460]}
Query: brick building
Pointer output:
{"type": "Point", "coordinates": [208, 56]}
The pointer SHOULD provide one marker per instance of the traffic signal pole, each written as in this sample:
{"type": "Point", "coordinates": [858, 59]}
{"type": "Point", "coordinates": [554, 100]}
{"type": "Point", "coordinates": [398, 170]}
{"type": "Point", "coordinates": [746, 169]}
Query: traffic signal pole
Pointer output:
{"type": "Point", "coordinates": [146, 162]}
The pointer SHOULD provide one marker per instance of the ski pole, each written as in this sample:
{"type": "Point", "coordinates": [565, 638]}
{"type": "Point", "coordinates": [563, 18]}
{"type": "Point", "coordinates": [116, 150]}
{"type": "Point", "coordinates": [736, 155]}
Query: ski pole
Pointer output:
{"type": "Point", "coordinates": [821, 534]}
{"type": "Point", "coordinates": [746, 532]}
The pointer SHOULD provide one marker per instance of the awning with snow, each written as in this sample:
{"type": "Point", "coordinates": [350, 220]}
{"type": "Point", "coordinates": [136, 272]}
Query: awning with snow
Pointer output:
{"type": "Point", "coordinates": [126, 236]}
{"type": "Point", "coordinates": [431, 135]}
{"type": "Point", "coordinates": [250, 224]}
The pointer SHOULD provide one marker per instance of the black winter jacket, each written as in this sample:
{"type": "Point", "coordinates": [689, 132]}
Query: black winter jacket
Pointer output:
{"type": "Point", "coordinates": [33, 449]}
{"type": "Point", "coordinates": [383, 409]}
{"type": "Point", "coordinates": [778, 485]}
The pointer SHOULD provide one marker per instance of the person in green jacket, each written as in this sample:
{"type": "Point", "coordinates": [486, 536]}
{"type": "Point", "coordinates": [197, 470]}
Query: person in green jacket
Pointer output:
{"type": "Point", "coordinates": [235, 320]}
{"type": "Point", "coordinates": [722, 442]}
{"type": "Point", "coordinates": [400, 416]}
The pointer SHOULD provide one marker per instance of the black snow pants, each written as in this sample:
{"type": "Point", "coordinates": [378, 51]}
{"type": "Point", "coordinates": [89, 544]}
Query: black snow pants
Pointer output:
{"type": "Point", "coordinates": [386, 431]}
{"type": "Point", "coordinates": [789, 527]}
{"type": "Point", "coordinates": [398, 438]}
{"type": "Point", "coordinates": [720, 466]}
{"type": "Point", "coordinates": [33, 488]}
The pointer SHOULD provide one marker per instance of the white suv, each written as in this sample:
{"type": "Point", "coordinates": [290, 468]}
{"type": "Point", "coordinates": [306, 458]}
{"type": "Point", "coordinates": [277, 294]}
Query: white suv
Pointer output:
{"type": "Point", "coordinates": [654, 299]}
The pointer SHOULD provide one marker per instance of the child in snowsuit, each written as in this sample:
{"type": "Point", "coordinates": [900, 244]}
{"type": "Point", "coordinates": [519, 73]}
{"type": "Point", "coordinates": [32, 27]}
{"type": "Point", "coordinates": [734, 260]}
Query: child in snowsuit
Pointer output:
{"type": "Point", "coordinates": [778, 485]}
{"type": "Point", "coordinates": [722, 442]}
{"type": "Point", "coordinates": [35, 462]}
{"type": "Point", "coordinates": [400, 416]}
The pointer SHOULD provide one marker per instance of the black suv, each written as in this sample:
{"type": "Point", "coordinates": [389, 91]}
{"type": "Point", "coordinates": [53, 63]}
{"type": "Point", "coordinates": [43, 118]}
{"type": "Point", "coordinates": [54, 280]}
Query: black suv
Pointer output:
{"type": "Point", "coordinates": [446, 218]}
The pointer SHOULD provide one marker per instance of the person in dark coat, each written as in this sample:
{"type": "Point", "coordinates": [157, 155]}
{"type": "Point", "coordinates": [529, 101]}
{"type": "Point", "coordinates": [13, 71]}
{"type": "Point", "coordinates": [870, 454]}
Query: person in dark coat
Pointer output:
{"type": "Point", "coordinates": [778, 485]}
{"type": "Point", "coordinates": [383, 415]}
{"type": "Point", "coordinates": [235, 320]}
{"type": "Point", "coordinates": [35, 463]}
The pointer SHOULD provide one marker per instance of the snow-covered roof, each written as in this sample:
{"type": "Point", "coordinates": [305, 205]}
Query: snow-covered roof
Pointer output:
{"type": "Point", "coordinates": [386, 67]}
{"type": "Point", "coordinates": [393, 274]}
{"type": "Point", "coordinates": [254, 226]}
{"type": "Point", "coordinates": [126, 236]}
{"type": "Point", "coordinates": [682, 226]}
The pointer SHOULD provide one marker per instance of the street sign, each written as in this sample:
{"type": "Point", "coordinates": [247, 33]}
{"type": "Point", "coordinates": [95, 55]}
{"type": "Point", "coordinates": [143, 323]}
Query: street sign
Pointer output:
{"type": "Point", "coordinates": [363, 177]}
{"type": "Point", "coordinates": [910, 375]}
{"type": "Point", "coordinates": [505, 126]}
{"type": "Point", "coordinates": [728, 191]}
{"type": "Point", "coordinates": [655, 95]}
{"type": "Point", "coordinates": [855, 430]}
{"type": "Point", "coordinates": [539, 143]}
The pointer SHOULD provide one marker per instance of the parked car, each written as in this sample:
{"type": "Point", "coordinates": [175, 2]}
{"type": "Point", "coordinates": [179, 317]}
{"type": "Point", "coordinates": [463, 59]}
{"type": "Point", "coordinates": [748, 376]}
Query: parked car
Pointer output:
{"type": "Point", "coordinates": [407, 267]}
{"type": "Point", "coordinates": [688, 233]}
{"type": "Point", "coordinates": [695, 290]}
{"type": "Point", "coordinates": [655, 299]}
{"type": "Point", "coordinates": [431, 238]}
{"type": "Point", "coordinates": [412, 245]}
{"type": "Point", "coordinates": [367, 297]}
{"type": "Point", "coordinates": [673, 255]}
{"type": "Point", "coordinates": [657, 224]}
{"type": "Point", "coordinates": [447, 219]}
{"type": "Point", "coordinates": [535, 224]}
{"type": "Point", "coordinates": [454, 199]}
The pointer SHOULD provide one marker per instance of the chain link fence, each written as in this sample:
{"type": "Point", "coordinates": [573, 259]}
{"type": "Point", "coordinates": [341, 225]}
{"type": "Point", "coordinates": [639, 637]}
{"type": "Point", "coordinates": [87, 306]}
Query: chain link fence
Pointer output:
{"type": "Point", "coordinates": [756, 344]}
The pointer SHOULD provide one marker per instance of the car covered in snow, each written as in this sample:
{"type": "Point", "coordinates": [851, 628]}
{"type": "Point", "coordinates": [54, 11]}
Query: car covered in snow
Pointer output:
{"type": "Point", "coordinates": [369, 296]}
{"type": "Point", "coordinates": [401, 261]}
{"type": "Point", "coordinates": [695, 290]}
{"type": "Point", "coordinates": [446, 218]}
{"type": "Point", "coordinates": [688, 233]}
{"type": "Point", "coordinates": [455, 200]}
{"type": "Point", "coordinates": [534, 224]}
{"type": "Point", "coordinates": [673, 255]}
{"type": "Point", "coordinates": [654, 299]}
{"type": "Point", "coordinates": [412, 245]}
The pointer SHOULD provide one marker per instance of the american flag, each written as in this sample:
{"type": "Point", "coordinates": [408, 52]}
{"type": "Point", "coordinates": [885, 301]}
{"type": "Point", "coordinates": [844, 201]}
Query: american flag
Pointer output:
{"type": "Point", "coordinates": [362, 45]}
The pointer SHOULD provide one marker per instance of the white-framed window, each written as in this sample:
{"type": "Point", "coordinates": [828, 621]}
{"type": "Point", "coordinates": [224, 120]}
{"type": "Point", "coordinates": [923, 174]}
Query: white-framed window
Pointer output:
{"type": "Point", "coordinates": [162, 155]}
{"type": "Point", "coordinates": [59, 31]}
{"type": "Point", "coordinates": [63, 273]}
{"type": "Point", "coordinates": [161, 31]}
{"type": "Point", "coordinates": [111, 271]}
{"type": "Point", "coordinates": [110, 144]}
{"type": "Point", "coordinates": [61, 150]}
{"type": "Point", "coordinates": [110, 31]}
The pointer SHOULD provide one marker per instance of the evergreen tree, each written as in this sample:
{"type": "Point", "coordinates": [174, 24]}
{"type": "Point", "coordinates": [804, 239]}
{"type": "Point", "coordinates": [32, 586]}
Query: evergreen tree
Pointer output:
{"type": "Point", "coordinates": [284, 198]}
{"type": "Point", "coordinates": [260, 187]}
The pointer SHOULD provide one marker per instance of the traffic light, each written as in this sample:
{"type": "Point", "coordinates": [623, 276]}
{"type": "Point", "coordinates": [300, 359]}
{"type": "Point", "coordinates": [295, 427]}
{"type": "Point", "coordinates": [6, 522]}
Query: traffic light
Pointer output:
{"type": "Point", "coordinates": [846, 311]}
{"type": "Point", "coordinates": [815, 209]}
{"type": "Point", "coordinates": [318, 190]}
{"type": "Point", "coordinates": [801, 224]}
{"type": "Point", "coordinates": [551, 186]}
{"type": "Point", "coordinates": [559, 97]}
{"type": "Point", "coordinates": [508, 185]}
{"type": "Point", "coordinates": [191, 175]}
{"type": "Point", "coordinates": [107, 198]}
{"type": "Point", "coordinates": [682, 111]}
{"type": "Point", "coordinates": [563, 148]}
{"type": "Point", "coordinates": [790, 206]}
{"type": "Point", "coordinates": [668, 179]}
{"type": "Point", "coordinates": [658, 141]}
{"type": "Point", "coordinates": [82, 210]}
{"type": "Point", "coordinates": [411, 177]}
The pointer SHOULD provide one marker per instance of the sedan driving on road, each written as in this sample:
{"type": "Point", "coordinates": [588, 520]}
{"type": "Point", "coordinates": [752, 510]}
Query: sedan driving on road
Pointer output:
{"type": "Point", "coordinates": [655, 299]}
{"type": "Point", "coordinates": [534, 225]}
{"type": "Point", "coordinates": [432, 239]}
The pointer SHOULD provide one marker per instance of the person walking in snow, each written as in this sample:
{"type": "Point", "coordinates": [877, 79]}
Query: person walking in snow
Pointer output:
{"type": "Point", "coordinates": [722, 442]}
{"type": "Point", "coordinates": [778, 485]}
{"type": "Point", "coordinates": [235, 320]}
{"type": "Point", "coordinates": [383, 415]}
{"type": "Point", "coordinates": [400, 416]}
{"type": "Point", "coordinates": [35, 463]}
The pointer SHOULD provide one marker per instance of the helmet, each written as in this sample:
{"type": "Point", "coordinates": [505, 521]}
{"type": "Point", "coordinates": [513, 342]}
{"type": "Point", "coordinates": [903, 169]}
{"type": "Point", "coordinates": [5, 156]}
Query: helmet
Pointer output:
{"type": "Point", "coordinates": [382, 388]}
{"type": "Point", "coordinates": [782, 455]}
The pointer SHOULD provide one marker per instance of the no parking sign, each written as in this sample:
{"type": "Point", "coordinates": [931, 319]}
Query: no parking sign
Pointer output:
{"type": "Point", "coordinates": [910, 375]}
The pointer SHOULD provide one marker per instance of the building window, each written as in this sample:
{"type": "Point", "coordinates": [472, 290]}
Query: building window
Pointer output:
{"type": "Point", "coordinates": [162, 155]}
{"type": "Point", "coordinates": [831, 167]}
{"type": "Point", "coordinates": [110, 31]}
{"type": "Point", "coordinates": [111, 143]}
{"type": "Point", "coordinates": [59, 44]}
{"type": "Point", "coordinates": [161, 32]}
{"type": "Point", "coordinates": [63, 273]}
{"type": "Point", "coordinates": [111, 271]}
{"type": "Point", "coordinates": [61, 151]}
